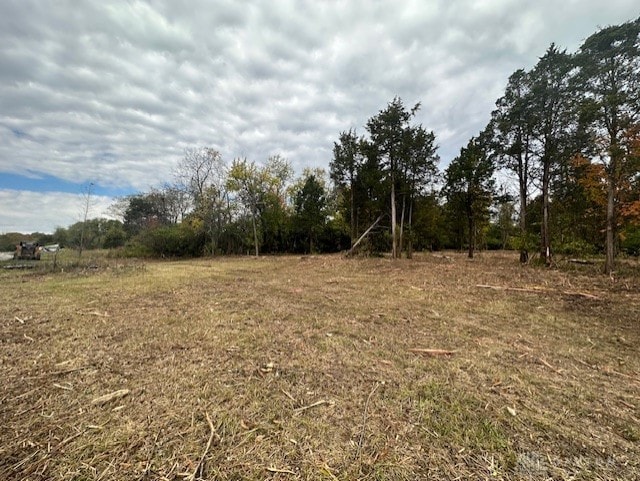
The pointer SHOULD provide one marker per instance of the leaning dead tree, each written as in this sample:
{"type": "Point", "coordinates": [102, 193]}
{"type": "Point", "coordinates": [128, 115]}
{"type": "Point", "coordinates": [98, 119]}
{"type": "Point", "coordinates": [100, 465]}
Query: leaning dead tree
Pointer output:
{"type": "Point", "coordinates": [355, 244]}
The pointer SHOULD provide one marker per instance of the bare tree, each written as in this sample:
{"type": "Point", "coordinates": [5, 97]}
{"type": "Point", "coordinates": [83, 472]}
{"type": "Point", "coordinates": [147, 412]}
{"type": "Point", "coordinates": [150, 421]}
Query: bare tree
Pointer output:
{"type": "Point", "coordinates": [86, 207]}
{"type": "Point", "coordinates": [202, 175]}
{"type": "Point", "coordinates": [199, 169]}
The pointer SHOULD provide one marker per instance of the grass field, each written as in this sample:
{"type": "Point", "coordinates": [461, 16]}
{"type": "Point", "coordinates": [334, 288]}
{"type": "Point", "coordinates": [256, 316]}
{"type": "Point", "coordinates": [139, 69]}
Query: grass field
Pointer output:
{"type": "Point", "coordinates": [290, 368]}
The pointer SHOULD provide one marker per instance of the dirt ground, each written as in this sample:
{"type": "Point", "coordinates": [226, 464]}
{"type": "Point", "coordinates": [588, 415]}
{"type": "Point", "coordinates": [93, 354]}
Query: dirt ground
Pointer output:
{"type": "Point", "coordinates": [318, 368]}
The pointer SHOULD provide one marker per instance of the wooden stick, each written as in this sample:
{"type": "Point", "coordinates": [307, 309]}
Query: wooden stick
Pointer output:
{"type": "Point", "coordinates": [542, 361]}
{"type": "Point", "coordinates": [630, 406]}
{"type": "Point", "coordinates": [432, 352]}
{"type": "Point", "coordinates": [288, 395]}
{"type": "Point", "coordinates": [99, 401]}
{"type": "Point", "coordinates": [315, 404]}
{"type": "Point", "coordinates": [153, 452]}
{"type": "Point", "coordinates": [580, 261]}
{"type": "Point", "coordinates": [276, 470]}
{"type": "Point", "coordinates": [627, 376]}
{"type": "Point", "coordinates": [350, 251]}
{"type": "Point", "coordinates": [537, 290]}
{"type": "Point", "coordinates": [364, 421]}
{"type": "Point", "coordinates": [198, 471]}
{"type": "Point", "coordinates": [60, 386]}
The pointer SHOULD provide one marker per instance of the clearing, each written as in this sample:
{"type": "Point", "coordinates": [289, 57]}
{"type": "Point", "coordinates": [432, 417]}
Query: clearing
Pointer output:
{"type": "Point", "coordinates": [290, 368]}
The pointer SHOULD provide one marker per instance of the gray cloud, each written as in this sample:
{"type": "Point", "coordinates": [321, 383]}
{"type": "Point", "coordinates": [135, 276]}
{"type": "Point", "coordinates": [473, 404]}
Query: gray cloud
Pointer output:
{"type": "Point", "coordinates": [113, 92]}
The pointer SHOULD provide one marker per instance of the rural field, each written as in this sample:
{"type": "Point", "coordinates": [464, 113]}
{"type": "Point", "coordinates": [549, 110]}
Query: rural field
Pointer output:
{"type": "Point", "coordinates": [320, 368]}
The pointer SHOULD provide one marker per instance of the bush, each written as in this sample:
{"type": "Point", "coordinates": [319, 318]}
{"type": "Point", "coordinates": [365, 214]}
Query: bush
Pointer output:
{"type": "Point", "coordinates": [179, 240]}
{"type": "Point", "coordinates": [631, 241]}
{"type": "Point", "coordinates": [576, 247]}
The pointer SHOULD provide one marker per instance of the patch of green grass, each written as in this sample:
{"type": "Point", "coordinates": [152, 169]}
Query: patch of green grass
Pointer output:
{"type": "Point", "coordinates": [458, 420]}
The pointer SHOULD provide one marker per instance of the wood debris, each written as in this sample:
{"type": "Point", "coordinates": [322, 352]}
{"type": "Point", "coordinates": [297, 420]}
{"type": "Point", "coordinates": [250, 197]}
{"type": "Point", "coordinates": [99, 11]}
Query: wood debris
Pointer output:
{"type": "Point", "coordinates": [538, 290]}
{"type": "Point", "coordinates": [197, 473]}
{"type": "Point", "coordinates": [283, 471]}
{"type": "Point", "coordinates": [432, 352]}
{"type": "Point", "coordinates": [99, 401]}
{"type": "Point", "coordinates": [313, 405]}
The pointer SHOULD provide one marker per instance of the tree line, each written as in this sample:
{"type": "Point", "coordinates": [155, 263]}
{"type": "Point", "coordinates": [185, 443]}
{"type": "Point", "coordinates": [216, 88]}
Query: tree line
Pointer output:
{"type": "Point", "coordinates": [556, 169]}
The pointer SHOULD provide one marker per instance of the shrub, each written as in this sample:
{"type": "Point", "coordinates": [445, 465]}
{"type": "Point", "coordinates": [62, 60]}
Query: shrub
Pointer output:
{"type": "Point", "coordinates": [631, 241]}
{"type": "Point", "coordinates": [576, 247]}
{"type": "Point", "coordinates": [179, 240]}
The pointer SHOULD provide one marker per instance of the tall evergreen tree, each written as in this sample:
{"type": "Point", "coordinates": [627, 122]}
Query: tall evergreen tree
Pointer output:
{"type": "Point", "coordinates": [310, 208]}
{"type": "Point", "coordinates": [513, 137]}
{"type": "Point", "coordinates": [551, 98]}
{"type": "Point", "coordinates": [387, 131]}
{"type": "Point", "coordinates": [347, 159]}
{"type": "Point", "coordinates": [419, 170]}
{"type": "Point", "coordinates": [469, 185]}
{"type": "Point", "coordinates": [609, 77]}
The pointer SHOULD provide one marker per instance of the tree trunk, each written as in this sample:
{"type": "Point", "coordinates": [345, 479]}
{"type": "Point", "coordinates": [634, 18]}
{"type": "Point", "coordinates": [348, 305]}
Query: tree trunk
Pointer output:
{"type": "Point", "coordinates": [255, 233]}
{"type": "Point", "coordinates": [394, 245]}
{"type": "Point", "coordinates": [524, 253]}
{"type": "Point", "coordinates": [350, 251]}
{"type": "Point", "coordinates": [401, 239]}
{"type": "Point", "coordinates": [410, 224]}
{"type": "Point", "coordinates": [353, 215]}
{"type": "Point", "coordinates": [472, 235]}
{"type": "Point", "coordinates": [610, 254]}
{"type": "Point", "coordinates": [545, 252]}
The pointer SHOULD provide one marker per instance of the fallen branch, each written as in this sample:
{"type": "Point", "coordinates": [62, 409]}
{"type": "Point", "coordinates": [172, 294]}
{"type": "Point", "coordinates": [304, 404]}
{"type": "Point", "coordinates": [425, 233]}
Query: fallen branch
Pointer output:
{"type": "Point", "coordinates": [99, 401]}
{"type": "Point", "coordinates": [197, 473]}
{"type": "Point", "coordinates": [288, 395]}
{"type": "Point", "coordinates": [432, 352]}
{"type": "Point", "coordinates": [350, 251]}
{"type": "Point", "coordinates": [314, 405]}
{"type": "Point", "coordinates": [537, 290]}
{"type": "Point", "coordinates": [516, 289]}
{"type": "Point", "coordinates": [580, 261]}
{"type": "Point", "coordinates": [580, 294]}
{"type": "Point", "coordinates": [626, 376]}
{"type": "Point", "coordinates": [545, 363]}
{"type": "Point", "coordinates": [60, 386]}
{"type": "Point", "coordinates": [626, 404]}
{"type": "Point", "coordinates": [58, 373]}
{"type": "Point", "coordinates": [283, 471]}
{"type": "Point", "coordinates": [147, 468]}
{"type": "Point", "coordinates": [364, 421]}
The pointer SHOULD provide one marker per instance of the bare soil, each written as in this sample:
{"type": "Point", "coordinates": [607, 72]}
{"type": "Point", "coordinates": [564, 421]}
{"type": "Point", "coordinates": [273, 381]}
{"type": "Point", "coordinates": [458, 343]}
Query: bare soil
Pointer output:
{"type": "Point", "coordinates": [291, 368]}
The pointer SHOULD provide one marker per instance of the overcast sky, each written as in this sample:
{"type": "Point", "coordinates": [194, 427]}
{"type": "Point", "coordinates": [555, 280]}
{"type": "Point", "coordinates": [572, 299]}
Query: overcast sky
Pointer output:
{"type": "Point", "coordinates": [112, 93]}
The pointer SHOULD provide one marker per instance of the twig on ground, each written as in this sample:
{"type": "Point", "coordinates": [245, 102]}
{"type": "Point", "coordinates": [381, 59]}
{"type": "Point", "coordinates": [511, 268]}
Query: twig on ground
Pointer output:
{"type": "Point", "coordinates": [60, 386]}
{"type": "Point", "coordinates": [432, 352]}
{"type": "Point", "coordinates": [626, 404]}
{"type": "Point", "coordinates": [364, 421]}
{"type": "Point", "coordinates": [538, 290]}
{"type": "Point", "coordinates": [315, 404]}
{"type": "Point", "coordinates": [276, 470]}
{"type": "Point", "coordinates": [99, 401]}
{"type": "Point", "coordinates": [545, 363]}
{"type": "Point", "coordinates": [197, 473]}
{"type": "Point", "coordinates": [626, 376]}
{"type": "Point", "coordinates": [147, 468]}
{"type": "Point", "coordinates": [288, 395]}
{"type": "Point", "coordinates": [580, 261]}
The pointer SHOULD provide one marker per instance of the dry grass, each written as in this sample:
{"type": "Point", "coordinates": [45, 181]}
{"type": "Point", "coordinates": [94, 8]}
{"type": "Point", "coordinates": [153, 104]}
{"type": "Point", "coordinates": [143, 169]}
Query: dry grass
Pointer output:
{"type": "Point", "coordinates": [299, 368]}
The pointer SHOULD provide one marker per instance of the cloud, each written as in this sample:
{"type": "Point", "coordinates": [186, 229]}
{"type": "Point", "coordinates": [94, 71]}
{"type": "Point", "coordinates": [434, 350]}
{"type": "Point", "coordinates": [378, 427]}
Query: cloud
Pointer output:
{"type": "Point", "coordinates": [114, 92]}
{"type": "Point", "coordinates": [28, 211]}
